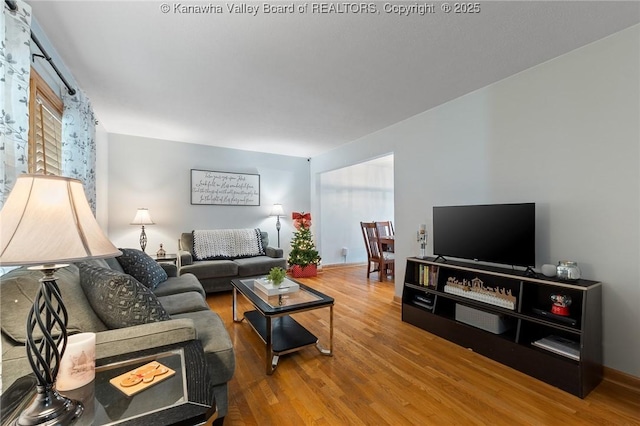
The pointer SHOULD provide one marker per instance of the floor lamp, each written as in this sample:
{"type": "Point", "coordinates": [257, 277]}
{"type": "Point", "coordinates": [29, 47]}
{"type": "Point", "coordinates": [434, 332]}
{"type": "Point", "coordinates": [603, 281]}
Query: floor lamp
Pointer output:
{"type": "Point", "coordinates": [47, 222]}
{"type": "Point", "coordinates": [277, 211]}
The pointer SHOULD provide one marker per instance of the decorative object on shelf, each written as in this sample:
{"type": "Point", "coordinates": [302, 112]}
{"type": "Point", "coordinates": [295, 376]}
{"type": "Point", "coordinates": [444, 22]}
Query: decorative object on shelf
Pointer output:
{"type": "Point", "coordinates": [78, 365]}
{"type": "Point", "coordinates": [568, 270]}
{"type": "Point", "coordinates": [276, 275]}
{"type": "Point", "coordinates": [548, 270]}
{"type": "Point", "coordinates": [476, 290]}
{"type": "Point", "coordinates": [303, 258]}
{"type": "Point", "coordinates": [161, 252]}
{"type": "Point", "coordinates": [422, 239]}
{"type": "Point", "coordinates": [47, 221]}
{"type": "Point", "coordinates": [277, 211]}
{"type": "Point", "coordinates": [561, 303]}
{"type": "Point", "coordinates": [142, 218]}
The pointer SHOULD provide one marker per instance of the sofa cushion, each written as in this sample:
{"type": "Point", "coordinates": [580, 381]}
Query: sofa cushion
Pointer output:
{"type": "Point", "coordinates": [258, 265]}
{"type": "Point", "coordinates": [18, 290]}
{"type": "Point", "coordinates": [204, 269]}
{"type": "Point", "coordinates": [181, 303]}
{"type": "Point", "coordinates": [118, 299]}
{"type": "Point", "coordinates": [182, 284]}
{"type": "Point", "coordinates": [142, 267]}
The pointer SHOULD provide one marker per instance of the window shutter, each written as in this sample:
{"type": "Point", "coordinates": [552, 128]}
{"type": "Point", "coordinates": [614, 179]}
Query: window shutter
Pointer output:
{"type": "Point", "coordinates": [47, 140]}
{"type": "Point", "coordinates": [45, 133]}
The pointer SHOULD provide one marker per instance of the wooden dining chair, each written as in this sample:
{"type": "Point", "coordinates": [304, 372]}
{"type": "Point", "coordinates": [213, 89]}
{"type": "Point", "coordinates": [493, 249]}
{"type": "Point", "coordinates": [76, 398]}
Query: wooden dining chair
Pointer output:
{"type": "Point", "coordinates": [385, 229]}
{"type": "Point", "coordinates": [382, 262]}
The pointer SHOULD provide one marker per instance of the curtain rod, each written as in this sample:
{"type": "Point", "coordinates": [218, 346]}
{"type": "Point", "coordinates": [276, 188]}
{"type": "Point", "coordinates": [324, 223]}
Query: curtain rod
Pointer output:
{"type": "Point", "coordinates": [13, 6]}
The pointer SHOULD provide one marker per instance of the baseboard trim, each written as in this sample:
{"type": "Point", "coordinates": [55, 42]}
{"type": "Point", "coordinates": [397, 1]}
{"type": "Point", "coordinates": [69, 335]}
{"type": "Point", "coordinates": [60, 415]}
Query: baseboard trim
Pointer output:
{"type": "Point", "coordinates": [342, 265]}
{"type": "Point", "coordinates": [622, 379]}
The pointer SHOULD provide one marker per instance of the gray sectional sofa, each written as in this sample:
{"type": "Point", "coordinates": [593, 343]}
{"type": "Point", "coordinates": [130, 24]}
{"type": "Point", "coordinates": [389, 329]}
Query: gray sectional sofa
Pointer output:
{"type": "Point", "coordinates": [216, 275]}
{"type": "Point", "coordinates": [183, 316]}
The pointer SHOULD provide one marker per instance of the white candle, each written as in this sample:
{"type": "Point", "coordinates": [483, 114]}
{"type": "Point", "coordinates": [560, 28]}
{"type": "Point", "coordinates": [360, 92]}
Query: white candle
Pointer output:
{"type": "Point", "coordinates": [78, 364]}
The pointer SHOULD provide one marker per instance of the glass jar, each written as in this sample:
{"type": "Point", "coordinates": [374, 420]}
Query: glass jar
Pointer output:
{"type": "Point", "coordinates": [568, 270]}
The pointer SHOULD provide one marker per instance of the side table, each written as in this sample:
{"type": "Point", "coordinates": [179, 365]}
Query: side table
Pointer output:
{"type": "Point", "coordinates": [185, 398]}
{"type": "Point", "coordinates": [171, 258]}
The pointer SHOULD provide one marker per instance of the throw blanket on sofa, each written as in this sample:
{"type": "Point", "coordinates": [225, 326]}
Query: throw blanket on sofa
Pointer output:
{"type": "Point", "coordinates": [227, 244]}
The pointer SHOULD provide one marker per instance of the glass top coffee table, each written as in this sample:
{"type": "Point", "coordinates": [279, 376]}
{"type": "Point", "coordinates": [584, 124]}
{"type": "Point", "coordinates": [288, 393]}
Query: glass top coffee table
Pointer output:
{"type": "Point", "coordinates": [271, 319]}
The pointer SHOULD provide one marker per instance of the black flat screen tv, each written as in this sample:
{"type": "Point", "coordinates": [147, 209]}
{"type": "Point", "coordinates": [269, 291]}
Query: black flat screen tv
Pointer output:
{"type": "Point", "coordinates": [495, 233]}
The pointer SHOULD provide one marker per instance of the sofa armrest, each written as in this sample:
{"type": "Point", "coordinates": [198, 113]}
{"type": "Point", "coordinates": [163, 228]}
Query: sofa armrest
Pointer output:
{"type": "Point", "coordinates": [185, 257]}
{"type": "Point", "coordinates": [274, 252]}
{"type": "Point", "coordinates": [145, 336]}
{"type": "Point", "coordinates": [169, 268]}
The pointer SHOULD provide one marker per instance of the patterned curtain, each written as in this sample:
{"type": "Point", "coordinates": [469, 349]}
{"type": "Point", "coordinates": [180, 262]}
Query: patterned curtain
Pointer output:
{"type": "Point", "coordinates": [15, 37]}
{"type": "Point", "coordinates": [79, 143]}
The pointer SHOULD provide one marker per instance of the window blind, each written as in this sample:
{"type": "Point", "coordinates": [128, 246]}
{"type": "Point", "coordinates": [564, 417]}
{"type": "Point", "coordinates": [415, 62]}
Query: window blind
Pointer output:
{"type": "Point", "coordinates": [45, 135]}
{"type": "Point", "coordinates": [47, 140]}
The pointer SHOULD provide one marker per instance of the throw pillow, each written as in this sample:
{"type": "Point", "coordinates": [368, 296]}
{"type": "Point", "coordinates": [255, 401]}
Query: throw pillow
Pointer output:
{"type": "Point", "coordinates": [118, 299]}
{"type": "Point", "coordinates": [142, 267]}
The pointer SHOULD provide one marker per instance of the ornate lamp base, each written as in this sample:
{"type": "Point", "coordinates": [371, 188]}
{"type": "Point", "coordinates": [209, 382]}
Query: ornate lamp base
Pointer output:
{"type": "Point", "coordinates": [47, 313]}
{"type": "Point", "coordinates": [50, 408]}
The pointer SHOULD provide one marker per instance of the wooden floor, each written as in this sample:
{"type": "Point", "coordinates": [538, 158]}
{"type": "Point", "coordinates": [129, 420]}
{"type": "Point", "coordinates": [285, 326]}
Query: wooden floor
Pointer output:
{"type": "Point", "coordinates": [386, 372]}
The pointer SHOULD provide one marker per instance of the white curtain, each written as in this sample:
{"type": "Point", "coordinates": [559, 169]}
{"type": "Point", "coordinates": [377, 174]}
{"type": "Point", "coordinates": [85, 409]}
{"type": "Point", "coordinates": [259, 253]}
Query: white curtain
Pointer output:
{"type": "Point", "coordinates": [79, 142]}
{"type": "Point", "coordinates": [15, 34]}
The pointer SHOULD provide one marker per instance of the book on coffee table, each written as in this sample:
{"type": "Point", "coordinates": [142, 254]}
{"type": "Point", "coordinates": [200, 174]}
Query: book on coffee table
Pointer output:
{"type": "Point", "coordinates": [267, 287]}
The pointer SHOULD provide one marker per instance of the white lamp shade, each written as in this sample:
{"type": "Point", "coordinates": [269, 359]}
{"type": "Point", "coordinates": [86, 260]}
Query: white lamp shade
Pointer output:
{"type": "Point", "coordinates": [142, 218]}
{"type": "Point", "coordinates": [46, 220]}
{"type": "Point", "coordinates": [277, 210]}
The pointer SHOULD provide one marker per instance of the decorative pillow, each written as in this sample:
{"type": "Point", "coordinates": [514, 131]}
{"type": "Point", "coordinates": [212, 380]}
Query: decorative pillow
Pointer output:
{"type": "Point", "coordinates": [18, 289]}
{"type": "Point", "coordinates": [227, 244]}
{"type": "Point", "coordinates": [118, 299]}
{"type": "Point", "coordinates": [142, 267]}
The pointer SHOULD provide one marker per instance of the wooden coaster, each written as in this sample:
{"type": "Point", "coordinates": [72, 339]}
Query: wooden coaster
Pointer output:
{"type": "Point", "coordinates": [143, 377]}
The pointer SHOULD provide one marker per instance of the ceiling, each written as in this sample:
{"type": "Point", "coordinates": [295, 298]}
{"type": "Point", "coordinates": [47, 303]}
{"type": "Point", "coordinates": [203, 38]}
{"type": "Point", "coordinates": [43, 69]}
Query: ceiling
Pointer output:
{"type": "Point", "coordinates": [298, 83]}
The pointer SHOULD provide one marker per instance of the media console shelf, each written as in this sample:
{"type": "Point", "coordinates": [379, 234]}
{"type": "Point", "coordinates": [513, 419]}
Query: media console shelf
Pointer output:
{"type": "Point", "coordinates": [506, 315]}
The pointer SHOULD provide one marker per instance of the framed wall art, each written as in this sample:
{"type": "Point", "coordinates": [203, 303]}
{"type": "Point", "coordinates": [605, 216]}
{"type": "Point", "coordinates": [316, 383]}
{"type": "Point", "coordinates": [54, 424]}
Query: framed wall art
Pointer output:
{"type": "Point", "coordinates": [224, 189]}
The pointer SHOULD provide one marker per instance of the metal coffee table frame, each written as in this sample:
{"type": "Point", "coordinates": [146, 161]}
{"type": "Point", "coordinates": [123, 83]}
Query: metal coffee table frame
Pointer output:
{"type": "Point", "coordinates": [272, 322]}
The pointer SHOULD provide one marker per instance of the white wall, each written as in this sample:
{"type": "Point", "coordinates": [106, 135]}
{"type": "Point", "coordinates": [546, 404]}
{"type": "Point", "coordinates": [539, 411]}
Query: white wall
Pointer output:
{"type": "Point", "coordinates": [362, 192]}
{"type": "Point", "coordinates": [565, 135]}
{"type": "Point", "coordinates": [156, 174]}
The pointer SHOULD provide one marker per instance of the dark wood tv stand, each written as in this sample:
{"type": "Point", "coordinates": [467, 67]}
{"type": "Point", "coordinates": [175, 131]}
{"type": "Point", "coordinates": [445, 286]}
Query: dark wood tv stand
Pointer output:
{"type": "Point", "coordinates": [444, 297]}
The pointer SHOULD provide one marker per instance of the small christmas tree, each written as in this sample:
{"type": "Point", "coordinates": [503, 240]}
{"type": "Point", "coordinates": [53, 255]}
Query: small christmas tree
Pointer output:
{"type": "Point", "coordinates": [303, 258]}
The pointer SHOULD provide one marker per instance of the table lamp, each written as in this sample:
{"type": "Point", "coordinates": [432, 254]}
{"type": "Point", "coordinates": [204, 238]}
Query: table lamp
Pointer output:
{"type": "Point", "coordinates": [277, 211]}
{"type": "Point", "coordinates": [46, 221]}
{"type": "Point", "coordinates": [142, 218]}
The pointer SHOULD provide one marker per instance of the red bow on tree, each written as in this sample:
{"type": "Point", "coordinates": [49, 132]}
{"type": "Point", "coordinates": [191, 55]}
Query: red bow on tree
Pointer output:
{"type": "Point", "coordinates": [301, 220]}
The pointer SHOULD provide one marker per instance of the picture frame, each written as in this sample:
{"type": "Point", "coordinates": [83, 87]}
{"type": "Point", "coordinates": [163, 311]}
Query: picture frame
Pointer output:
{"type": "Point", "coordinates": [215, 188]}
